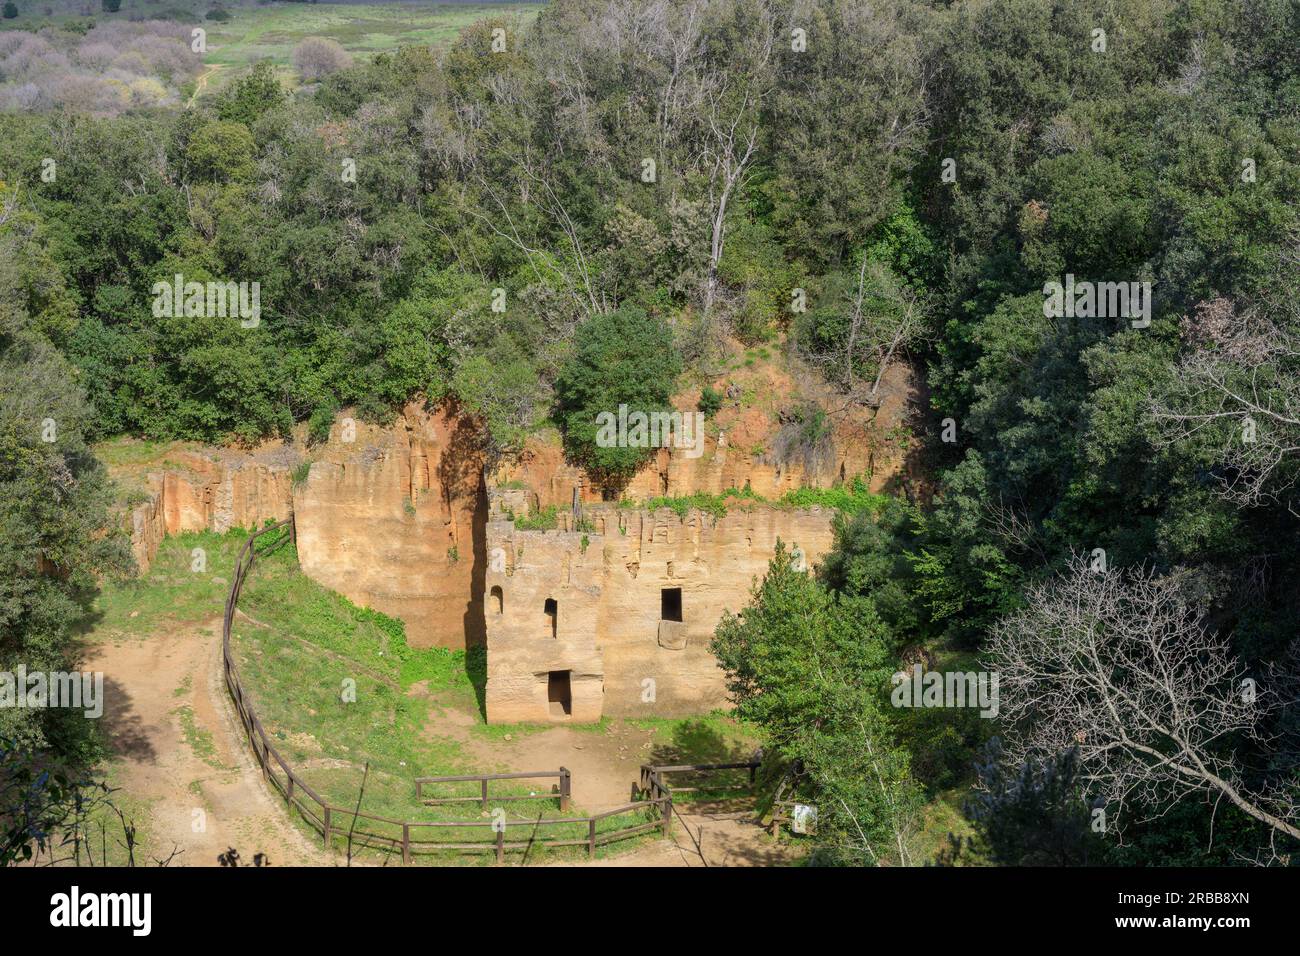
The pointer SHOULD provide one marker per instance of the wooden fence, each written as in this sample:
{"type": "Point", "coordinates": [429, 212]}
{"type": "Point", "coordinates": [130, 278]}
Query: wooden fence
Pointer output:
{"type": "Point", "coordinates": [654, 777]}
{"type": "Point", "coordinates": [563, 791]}
{"type": "Point", "coordinates": [363, 828]}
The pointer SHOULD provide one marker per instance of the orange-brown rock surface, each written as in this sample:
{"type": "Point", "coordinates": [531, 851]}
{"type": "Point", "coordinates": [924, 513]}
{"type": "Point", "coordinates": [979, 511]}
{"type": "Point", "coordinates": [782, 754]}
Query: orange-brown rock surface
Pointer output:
{"type": "Point", "coordinates": [617, 620]}
{"type": "Point", "coordinates": [206, 490]}
{"type": "Point", "coordinates": [742, 446]}
{"type": "Point", "coordinates": [393, 518]}
{"type": "Point", "coordinates": [396, 518]}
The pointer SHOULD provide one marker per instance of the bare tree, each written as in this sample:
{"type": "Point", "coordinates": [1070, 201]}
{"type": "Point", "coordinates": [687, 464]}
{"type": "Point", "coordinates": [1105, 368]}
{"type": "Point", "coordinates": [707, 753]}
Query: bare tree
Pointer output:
{"type": "Point", "coordinates": [1238, 388]}
{"type": "Point", "coordinates": [1011, 524]}
{"type": "Point", "coordinates": [317, 57]}
{"type": "Point", "coordinates": [732, 111]}
{"type": "Point", "coordinates": [1122, 668]}
{"type": "Point", "coordinates": [884, 319]}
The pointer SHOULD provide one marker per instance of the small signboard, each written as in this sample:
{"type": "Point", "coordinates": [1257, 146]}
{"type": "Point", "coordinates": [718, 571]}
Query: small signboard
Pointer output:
{"type": "Point", "coordinates": [803, 819]}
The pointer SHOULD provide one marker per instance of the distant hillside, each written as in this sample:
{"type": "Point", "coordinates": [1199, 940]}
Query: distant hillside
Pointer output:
{"type": "Point", "coordinates": [73, 54]}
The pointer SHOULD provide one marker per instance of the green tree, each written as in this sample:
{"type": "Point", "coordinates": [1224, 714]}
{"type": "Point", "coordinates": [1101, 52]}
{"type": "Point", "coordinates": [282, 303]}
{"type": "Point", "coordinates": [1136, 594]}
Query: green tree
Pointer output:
{"type": "Point", "coordinates": [252, 95]}
{"type": "Point", "coordinates": [507, 396]}
{"type": "Point", "coordinates": [625, 357]}
{"type": "Point", "coordinates": [222, 152]}
{"type": "Point", "coordinates": [871, 557]}
{"type": "Point", "coordinates": [54, 512]}
{"type": "Point", "coordinates": [964, 578]}
{"type": "Point", "coordinates": [809, 667]}
{"type": "Point", "coordinates": [1036, 815]}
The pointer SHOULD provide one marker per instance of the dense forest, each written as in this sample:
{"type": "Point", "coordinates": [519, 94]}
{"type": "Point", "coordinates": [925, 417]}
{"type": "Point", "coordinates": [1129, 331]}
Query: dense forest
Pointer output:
{"type": "Point", "coordinates": [545, 220]}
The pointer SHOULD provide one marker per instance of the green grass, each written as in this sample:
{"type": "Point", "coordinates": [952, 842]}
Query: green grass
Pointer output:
{"type": "Point", "coordinates": [543, 520]}
{"type": "Point", "coordinates": [107, 837]}
{"type": "Point", "coordinates": [271, 32]}
{"type": "Point", "coordinates": [125, 451]}
{"type": "Point", "coordinates": [171, 593]}
{"type": "Point", "coordinates": [713, 738]}
{"type": "Point", "coordinates": [849, 497]}
{"type": "Point", "coordinates": [942, 820]}
{"type": "Point", "coordinates": [199, 740]}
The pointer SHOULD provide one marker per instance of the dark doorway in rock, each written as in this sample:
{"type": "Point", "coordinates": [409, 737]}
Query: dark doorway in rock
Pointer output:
{"type": "Point", "coordinates": [559, 694]}
{"type": "Point", "coordinates": [670, 604]}
{"type": "Point", "coordinates": [498, 599]}
{"type": "Point", "coordinates": [551, 614]}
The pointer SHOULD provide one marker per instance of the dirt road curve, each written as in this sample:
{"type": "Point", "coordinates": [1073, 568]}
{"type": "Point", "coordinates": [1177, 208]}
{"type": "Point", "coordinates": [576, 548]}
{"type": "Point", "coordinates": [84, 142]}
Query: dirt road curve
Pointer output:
{"type": "Point", "coordinates": [170, 719]}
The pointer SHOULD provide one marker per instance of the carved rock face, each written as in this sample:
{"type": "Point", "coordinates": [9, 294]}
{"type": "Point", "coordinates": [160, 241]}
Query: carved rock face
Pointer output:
{"type": "Point", "coordinates": [636, 607]}
{"type": "Point", "coordinates": [394, 520]}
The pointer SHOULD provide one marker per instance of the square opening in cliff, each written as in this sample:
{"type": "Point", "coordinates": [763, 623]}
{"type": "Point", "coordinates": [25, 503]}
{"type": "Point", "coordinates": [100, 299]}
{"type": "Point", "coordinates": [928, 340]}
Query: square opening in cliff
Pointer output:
{"type": "Point", "coordinates": [670, 604]}
{"type": "Point", "coordinates": [552, 613]}
{"type": "Point", "coordinates": [559, 693]}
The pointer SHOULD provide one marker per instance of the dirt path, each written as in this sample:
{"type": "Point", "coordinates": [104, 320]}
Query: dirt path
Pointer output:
{"type": "Point", "coordinates": [606, 766]}
{"type": "Point", "coordinates": [724, 839]}
{"type": "Point", "coordinates": [183, 752]}
{"type": "Point", "coordinates": [202, 84]}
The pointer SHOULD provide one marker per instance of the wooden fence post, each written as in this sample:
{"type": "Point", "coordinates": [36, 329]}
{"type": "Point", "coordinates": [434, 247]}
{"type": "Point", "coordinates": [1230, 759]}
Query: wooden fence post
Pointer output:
{"type": "Point", "coordinates": [484, 793]}
{"type": "Point", "coordinates": [501, 839]}
{"type": "Point", "coordinates": [591, 839]}
{"type": "Point", "coordinates": [406, 843]}
{"type": "Point", "coordinates": [327, 827]}
{"type": "Point", "coordinates": [566, 784]}
{"type": "Point", "coordinates": [667, 821]}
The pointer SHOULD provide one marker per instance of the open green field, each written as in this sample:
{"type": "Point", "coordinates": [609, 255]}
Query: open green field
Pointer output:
{"type": "Point", "coordinates": [271, 31]}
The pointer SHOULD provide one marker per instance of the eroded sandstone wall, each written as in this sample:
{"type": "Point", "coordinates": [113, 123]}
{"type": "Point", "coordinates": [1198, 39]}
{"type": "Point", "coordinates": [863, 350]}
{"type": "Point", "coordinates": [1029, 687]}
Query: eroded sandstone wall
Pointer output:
{"type": "Point", "coordinates": [224, 491]}
{"type": "Point", "coordinates": [207, 491]}
{"type": "Point", "coordinates": [607, 586]}
{"type": "Point", "coordinates": [674, 473]}
{"type": "Point", "coordinates": [394, 519]}
{"type": "Point", "coordinates": [147, 527]}
{"type": "Point", "coordinates": [742, 448]}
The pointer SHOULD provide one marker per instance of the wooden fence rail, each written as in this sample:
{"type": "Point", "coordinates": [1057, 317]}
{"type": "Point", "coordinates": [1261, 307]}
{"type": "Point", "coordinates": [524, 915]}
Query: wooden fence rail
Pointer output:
{"type": "Point", "coordinates": [331, 821]}
{"type": "Point", "coordinates": [654, 776]}
{"type": "Point", "coordinates": [563, 791]}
